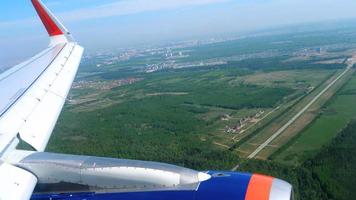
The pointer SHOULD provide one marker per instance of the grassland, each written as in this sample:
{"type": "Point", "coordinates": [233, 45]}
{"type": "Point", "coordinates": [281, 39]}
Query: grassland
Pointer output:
{"type": "Point", "coordinates": [335, 115]}
{"type": "Point", "coordinates": [290, 109]}
{"type": "Point", "coordinates": [298, 79]}
{"type": "Point", "coordinates": [304, 120]}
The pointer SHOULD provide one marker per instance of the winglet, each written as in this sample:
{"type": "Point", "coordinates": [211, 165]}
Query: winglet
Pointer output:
{"type": "Point", "coordinates": [57, 32]}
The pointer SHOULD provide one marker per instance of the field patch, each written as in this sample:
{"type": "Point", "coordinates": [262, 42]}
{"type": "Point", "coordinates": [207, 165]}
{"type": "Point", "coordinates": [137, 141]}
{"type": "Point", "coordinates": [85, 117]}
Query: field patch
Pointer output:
{"type": "Point", "coordinates": [290, 78]}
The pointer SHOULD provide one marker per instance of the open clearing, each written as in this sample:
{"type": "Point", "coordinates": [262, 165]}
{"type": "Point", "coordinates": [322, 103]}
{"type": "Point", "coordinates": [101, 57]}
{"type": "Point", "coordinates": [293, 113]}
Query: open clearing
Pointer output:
{"type": "Point", "coordinates": [306, 118]}
{"type": "Point", "coordinates": [303, 81]}
{"type": "Point", "coordinates": [291, 78]}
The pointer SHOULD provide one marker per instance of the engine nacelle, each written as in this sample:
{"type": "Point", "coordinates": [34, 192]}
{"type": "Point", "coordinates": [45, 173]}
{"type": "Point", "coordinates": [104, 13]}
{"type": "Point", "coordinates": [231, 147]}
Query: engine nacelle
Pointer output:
{"type": "Point", "coordinates": [105, 173]}
{"type": "Point", "coordinates": [68, 176]}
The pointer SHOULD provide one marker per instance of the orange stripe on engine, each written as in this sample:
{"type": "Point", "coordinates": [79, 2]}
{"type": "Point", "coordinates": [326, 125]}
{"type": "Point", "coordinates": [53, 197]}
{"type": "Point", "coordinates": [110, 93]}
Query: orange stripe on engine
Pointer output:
{"type": "Point", "coordinates": [259, 187]}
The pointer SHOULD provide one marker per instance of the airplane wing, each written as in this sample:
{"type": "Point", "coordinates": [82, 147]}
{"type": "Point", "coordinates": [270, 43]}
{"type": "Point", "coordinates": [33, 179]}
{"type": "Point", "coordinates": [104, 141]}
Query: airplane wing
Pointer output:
{"type": "Point", "coordinates": [31, 99]}
{"type": "Point", "coordinates": [32, 95]}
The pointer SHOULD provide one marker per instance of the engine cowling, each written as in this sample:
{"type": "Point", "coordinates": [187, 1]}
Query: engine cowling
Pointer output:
{"type": "Point", "coordinates": [60, 175]}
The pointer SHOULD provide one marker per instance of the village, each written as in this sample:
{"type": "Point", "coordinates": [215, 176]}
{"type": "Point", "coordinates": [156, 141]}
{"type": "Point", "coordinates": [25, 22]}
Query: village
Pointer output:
{"type": "Point", "coordinates": [242, 124]}
{"type": "Point", "coordinates": [104, 85]}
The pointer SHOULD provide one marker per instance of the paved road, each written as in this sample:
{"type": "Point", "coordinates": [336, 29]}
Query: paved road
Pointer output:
{"type": "Point", "coordinates": [300, 113]}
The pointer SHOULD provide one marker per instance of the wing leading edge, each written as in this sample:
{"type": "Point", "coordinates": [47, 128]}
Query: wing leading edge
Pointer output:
{"type": "Point", "coordinates": [31, 98]}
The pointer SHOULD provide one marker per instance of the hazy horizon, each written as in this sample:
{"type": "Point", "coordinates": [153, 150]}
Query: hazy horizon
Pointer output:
{"type": "Point", "coordinates": [124, 23]}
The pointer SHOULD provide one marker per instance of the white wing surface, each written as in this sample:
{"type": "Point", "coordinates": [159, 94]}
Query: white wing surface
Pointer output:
{"type": "Point", "coordinates": [32, 95]}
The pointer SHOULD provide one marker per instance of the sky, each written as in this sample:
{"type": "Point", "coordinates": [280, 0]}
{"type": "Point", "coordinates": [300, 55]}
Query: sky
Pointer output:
{"type": "Point", "coordinates": [104, 24]}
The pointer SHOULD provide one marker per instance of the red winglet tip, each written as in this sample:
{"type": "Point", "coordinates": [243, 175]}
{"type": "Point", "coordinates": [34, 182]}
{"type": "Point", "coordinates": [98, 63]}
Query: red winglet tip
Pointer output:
{"type": "Point", "coordinates": [51, 26]}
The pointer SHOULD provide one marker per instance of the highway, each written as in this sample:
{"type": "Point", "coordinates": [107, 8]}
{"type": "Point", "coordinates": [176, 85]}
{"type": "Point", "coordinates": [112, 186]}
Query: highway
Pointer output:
{"type": "Point", "coordinates": [300, 113]}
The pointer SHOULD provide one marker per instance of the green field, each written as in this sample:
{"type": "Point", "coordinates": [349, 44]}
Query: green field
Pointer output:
{"type": "Point", "coordinates": [289, 109]}
{"type": "Point", "coordinates": [335, 115]}
{"type": "Point", "coordinates": [298, 79]}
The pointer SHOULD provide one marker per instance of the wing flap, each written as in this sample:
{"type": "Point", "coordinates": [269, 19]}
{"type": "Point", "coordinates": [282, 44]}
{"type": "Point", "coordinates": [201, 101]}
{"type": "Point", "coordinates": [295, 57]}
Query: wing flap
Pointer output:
{"type": "Point", "coordinates": [16, 183]}
{"type": "Point", "coordinates": [40, 123]}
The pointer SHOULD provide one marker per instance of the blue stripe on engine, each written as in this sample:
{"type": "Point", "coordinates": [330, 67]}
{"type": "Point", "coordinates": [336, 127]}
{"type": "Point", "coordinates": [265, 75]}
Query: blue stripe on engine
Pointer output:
{"type": "Point", "coordinates": [224, 186]}
{"type": "Point", "coordinates": [160, 195]}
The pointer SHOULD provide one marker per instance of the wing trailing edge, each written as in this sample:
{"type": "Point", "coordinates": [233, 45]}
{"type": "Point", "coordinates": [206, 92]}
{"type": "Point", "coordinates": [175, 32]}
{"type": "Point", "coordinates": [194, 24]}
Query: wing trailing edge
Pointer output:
{"type": "Point", "coordinates": [56, 30]}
